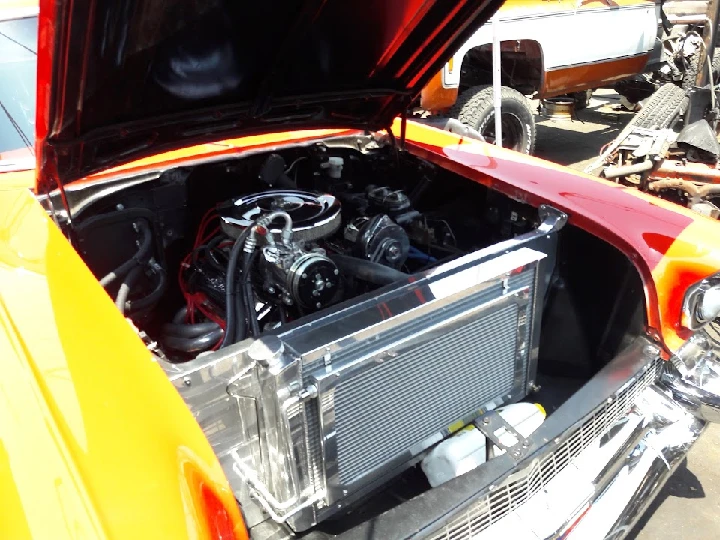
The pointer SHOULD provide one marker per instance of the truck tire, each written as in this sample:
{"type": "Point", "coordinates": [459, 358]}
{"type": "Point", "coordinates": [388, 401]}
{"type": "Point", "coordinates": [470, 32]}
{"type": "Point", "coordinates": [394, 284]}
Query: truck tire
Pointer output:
{"type": "Point", "coordinates": [475, 108]}
{"type": "Point", "coordinates": [662, 109]}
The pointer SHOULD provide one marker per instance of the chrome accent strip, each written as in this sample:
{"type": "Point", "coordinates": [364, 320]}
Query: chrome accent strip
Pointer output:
{"type": "Point", "coordinates": [703, 405]}
{"type": "Point", "coordinates": [693, 377]}
{"type": "Point", "coordinates": [620, 501]}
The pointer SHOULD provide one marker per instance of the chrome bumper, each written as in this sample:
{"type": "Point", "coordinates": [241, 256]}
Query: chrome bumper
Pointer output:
{"type": "Point", "coordinates": [608, 485]}
{"type": "Point", "coordinates": [604, 487]}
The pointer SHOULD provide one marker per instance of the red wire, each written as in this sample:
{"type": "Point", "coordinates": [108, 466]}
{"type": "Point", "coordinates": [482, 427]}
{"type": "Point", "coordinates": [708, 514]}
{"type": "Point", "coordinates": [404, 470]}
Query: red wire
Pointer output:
{"type": "Point", "coordinates": [198, 301]}
{"type": "Point", "coordinates": [204, 222]}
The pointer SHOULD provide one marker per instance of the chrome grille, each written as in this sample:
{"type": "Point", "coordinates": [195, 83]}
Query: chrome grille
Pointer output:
{"type": "Point", "coordinates": [498, 503]}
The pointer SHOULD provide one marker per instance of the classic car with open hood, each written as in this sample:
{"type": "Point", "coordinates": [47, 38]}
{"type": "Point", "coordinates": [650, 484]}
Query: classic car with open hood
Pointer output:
{"type": "Point", "coordinates": [246, 296]}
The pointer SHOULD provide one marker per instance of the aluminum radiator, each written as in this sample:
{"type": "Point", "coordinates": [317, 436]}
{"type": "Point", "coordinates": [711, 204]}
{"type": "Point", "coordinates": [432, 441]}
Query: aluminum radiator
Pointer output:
{"type": "Point", "coordinates": [328, 409]}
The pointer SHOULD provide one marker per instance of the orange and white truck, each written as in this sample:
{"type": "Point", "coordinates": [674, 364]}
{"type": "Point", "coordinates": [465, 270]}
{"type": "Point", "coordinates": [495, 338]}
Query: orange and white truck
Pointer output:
{"type": "Point", "coordinates": [556, 47]}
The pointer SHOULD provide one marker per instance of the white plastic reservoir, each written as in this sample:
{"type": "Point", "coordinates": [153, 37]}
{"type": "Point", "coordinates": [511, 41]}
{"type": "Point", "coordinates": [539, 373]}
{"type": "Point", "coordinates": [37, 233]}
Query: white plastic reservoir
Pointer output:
{"type": "Point", "coordinates": [469, 448]}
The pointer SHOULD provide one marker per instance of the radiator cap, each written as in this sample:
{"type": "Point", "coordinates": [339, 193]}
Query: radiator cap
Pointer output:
{"type": "Point", "coordinates": [266, 351]}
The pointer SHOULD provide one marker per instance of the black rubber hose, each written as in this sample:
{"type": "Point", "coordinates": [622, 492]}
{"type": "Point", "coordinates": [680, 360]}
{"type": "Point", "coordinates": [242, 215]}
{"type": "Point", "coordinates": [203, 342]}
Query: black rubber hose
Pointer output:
{"type": "Point", "coordinates": [125, 287]}
{"type": "Point", "coordinates": [240, 311]}
{"type": "Point", "coordinates": [150, 299]}
{"type": "Point", "coordinates": [193, 345]}
{"type": "Point", "coordinates": [189, 330]}
{"type": "Point", "coordinates": [248, 260]}
{"type": "Point", "coordinates": [230, 289]}
{"type": "Point", "coordinates": [367, 270]}
{"type": "Point", "coordinates": [179, 317]}
{"type": "Point", "coordinates": [135, 260]}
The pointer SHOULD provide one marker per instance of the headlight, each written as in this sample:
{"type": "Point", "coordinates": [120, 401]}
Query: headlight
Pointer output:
{"type": "Point", "coordinates": [702, 303]}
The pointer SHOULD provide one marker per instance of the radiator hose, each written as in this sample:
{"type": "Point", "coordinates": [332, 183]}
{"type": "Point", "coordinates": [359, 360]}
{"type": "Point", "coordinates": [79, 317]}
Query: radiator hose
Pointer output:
{"type": "Point", "coordinates": [152, 298]}
{"type": "Point", "coordinates": [125, 286]}
{"type": "Point", "coordinates": [367, 270]}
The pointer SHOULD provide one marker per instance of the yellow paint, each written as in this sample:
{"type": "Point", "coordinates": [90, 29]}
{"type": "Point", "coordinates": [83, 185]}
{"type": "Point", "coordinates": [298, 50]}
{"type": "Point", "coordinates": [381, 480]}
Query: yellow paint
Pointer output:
{"type": "Point", "coordinates": [20, 179]}
{"type": "Point", "coordinates": [94, 440]}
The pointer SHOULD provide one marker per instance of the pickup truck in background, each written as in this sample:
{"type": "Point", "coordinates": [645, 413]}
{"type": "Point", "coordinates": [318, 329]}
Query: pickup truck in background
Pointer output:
{"type": "Point", "coordinates": [557, 47]}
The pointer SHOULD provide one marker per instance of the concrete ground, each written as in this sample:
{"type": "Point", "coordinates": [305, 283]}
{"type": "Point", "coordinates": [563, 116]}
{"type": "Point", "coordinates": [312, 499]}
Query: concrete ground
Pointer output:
{"type": "Point", "coordinates": [689, 504]}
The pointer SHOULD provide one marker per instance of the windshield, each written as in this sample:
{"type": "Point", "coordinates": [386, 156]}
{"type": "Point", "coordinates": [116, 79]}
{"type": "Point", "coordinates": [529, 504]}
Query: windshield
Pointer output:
{"type": "Point", "coordinates": [18, 60]}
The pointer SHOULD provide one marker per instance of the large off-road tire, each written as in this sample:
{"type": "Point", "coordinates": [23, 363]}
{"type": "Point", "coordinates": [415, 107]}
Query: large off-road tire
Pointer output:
{"type": "Point", "coordinates": [662, 109]}
{"type": "Point", "coordinates": [475, 108]}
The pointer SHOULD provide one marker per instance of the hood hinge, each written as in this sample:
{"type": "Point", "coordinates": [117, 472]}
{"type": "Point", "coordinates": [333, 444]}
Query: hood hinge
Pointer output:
{"type": "Point", "coordinates": [48, 179]}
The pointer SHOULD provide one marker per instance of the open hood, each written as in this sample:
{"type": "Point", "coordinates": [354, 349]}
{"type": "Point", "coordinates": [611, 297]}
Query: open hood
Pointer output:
{"type": "Point", "coordinates": [122, 79]}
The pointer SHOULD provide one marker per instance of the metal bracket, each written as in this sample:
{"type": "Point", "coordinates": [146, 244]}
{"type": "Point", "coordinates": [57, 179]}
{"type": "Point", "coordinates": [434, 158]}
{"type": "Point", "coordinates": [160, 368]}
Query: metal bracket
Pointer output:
{"type": "Point", "coordinates": [495, 427]}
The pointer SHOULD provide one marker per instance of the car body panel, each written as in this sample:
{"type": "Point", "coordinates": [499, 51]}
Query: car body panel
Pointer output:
{"type": "Point", "coordinates": [576, 49]}
{"type": "Point", "coordinates": [671, 246]}
{"type": "Point", "coordinates": [591, 75]}
{"type": "Point", "coordinates": [94, 441]}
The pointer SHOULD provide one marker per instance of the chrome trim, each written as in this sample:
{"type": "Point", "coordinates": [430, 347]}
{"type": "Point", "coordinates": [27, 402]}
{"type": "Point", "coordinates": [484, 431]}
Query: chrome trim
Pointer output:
{"type": "Point", "coordinates": [647, 467]}
{"type": "Point", "coordinates": [635, 460]}
{"type": "Point", "coordinates": [693, 378]}
{"type": "Point", "coordinates": [599, 433]}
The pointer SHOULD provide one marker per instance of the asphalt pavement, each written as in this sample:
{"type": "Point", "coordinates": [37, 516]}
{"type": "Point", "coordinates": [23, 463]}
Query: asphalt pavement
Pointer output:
{"type": "Point", "coordinates": [689, 504]}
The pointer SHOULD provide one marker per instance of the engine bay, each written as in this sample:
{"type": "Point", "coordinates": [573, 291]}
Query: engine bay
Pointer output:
{"type": "Point", "coordinates": [309, 304]}
{"type": "Point", "coordinates": [296, 238]}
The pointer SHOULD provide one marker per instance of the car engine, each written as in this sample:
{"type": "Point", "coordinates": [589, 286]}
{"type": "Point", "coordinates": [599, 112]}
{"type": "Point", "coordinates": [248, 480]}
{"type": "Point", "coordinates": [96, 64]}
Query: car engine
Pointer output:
{"type": "Point", "coordinates": [314, 319]}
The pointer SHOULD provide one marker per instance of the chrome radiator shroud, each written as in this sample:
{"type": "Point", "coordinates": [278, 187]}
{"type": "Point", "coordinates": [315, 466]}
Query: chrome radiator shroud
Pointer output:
{"type": "Point", "coordinates": [329, 408]}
